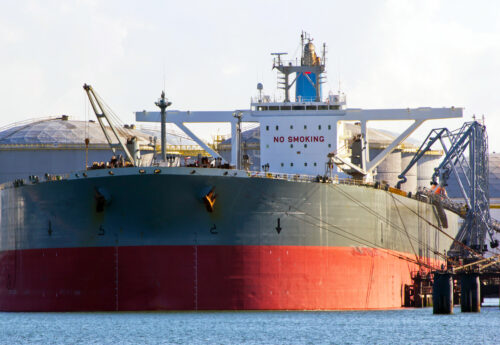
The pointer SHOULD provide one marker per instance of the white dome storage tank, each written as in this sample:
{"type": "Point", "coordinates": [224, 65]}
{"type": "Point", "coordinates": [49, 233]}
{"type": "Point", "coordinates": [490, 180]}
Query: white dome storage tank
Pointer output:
{"type": "Point", "coordinates": [57, 146]}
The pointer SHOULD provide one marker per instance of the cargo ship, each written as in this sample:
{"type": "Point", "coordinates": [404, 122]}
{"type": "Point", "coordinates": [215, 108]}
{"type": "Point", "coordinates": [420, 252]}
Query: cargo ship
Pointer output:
{"type": "Point", "coordinates": [314, 230]}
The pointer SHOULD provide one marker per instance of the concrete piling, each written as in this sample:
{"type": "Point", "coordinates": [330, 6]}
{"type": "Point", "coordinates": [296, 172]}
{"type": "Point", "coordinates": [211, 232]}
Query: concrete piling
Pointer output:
{"type": "Point", "coordinates": [471, 293]}
{"type": "Point", "coordinates": [442, 293]}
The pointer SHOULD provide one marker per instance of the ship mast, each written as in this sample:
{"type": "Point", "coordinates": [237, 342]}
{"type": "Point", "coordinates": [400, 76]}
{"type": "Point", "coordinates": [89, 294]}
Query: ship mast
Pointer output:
{"type": "Point", "coordinates": [163, 104]}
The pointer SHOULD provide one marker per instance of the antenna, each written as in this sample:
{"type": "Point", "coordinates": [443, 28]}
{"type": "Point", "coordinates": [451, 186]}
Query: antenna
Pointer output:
{"type": "Point", "coordinates": [279, 58]}
{"type": "Point", "coordinates": [302, 37]}
{"type": "Point", "coordinates": [338, 69]}
{"type": "Point", "coordinates": [164, 78]}
{"type": "Point", "coordinates": [323, 60]}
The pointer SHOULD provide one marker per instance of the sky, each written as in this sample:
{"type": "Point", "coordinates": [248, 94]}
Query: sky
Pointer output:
{"type": "Point", "coordinates": [210, 55]}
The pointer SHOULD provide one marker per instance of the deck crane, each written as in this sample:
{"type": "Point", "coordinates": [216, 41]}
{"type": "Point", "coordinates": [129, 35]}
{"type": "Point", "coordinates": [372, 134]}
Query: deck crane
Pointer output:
{"type": "Point", "coordinates": [471, 172]}
{"type": "Point", "coordinates": [100, 113]}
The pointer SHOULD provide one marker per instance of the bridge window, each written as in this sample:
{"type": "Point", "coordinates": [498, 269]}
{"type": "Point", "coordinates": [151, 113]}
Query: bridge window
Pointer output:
{"type": "Point", "coordinates": [277, 127]}
{"type": "Point", "coordinates": [334, 107]}
{"type": "Point", "coordinates": [329, 127]}
{"type": "Point", "coordinates": [319, 126]}
{"type": "Point", "coordinates": [267, 128]}
{"type": "Point", "coordinates": [305, 164]}
{"type": "Point", "coordinates": [291, 145]}
{"type": "Point", "coordinates": [322, 107]}
{"type": "Point", "coordinates": [282, 164]}
{"type": "Point", "coordinates": [298, 107]}
{"type": "Point", "coordinates": [286, 107]}
{"type": "Point", "coordinates": [311, 107]}
{"type": "Point", "coordinates": [291, 164]}
{"type": "Point", "coordinates": [305, 126]}
{"type": "Point", "coordinates": [291, 126]}
{"type": "Point", "coordinates": [305, 145]}
{"type": "Point", "coordinates": [329, 145]}
{"type": "Point", "coordinates": [314, 163]}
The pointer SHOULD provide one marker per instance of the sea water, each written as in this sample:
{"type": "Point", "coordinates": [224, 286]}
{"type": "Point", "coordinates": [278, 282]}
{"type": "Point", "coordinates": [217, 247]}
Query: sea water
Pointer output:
{"type": "Point", "coordinates": [406, 326]}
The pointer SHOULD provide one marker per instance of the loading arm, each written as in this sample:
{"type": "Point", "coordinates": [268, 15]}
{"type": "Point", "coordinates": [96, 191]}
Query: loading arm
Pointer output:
{"type": "Point", "coordinates": [426, 146]}
{"type": "Point", "coordinates": [471, 172]}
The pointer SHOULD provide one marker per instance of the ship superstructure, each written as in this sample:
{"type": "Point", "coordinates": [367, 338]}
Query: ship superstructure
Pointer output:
{"type": "Point", "coordinates": [297, 135]}
{"type": "Point", "coordinates": [211, 235]}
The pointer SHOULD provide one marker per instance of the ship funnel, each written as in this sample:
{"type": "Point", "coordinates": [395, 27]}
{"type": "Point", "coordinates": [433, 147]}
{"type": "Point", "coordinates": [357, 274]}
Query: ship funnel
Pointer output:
{"type": "Point", "coordinates": [308, 86]}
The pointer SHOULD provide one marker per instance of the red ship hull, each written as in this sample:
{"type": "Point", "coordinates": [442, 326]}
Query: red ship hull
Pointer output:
{"type": "Point", "coordinates": [203, 278]}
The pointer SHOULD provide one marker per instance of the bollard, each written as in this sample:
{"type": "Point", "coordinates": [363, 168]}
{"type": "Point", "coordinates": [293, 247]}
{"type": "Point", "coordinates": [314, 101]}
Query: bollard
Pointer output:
{"type": "Point", "coordinates": [442, 293]}
{"type": "Point", "coordinates": [471, 293]}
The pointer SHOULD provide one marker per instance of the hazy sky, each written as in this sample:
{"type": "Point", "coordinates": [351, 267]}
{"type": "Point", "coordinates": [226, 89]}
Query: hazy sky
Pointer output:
{"type": "Point", "coordinates": [211, 54]}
